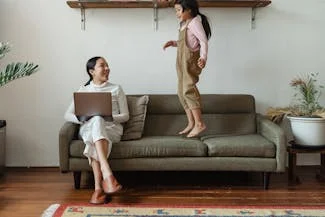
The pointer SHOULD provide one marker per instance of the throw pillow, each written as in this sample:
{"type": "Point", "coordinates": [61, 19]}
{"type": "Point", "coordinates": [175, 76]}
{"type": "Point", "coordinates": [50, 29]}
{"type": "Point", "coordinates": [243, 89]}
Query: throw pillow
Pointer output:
{"type": "Point", "coordinates": [133, 128]}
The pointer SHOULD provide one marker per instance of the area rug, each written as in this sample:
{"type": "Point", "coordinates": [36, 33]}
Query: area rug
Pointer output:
{"type": "Point", "coordinates": [85, 210]}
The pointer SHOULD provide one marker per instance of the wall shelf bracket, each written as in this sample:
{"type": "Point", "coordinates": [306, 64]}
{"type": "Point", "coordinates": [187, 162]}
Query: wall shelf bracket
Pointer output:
{"type": "Point", "coordinates": [82, 16]}
{"type": "Point", "coordinates": [155, 14]}
{"type": "Point", "coordinates": [253, 18]}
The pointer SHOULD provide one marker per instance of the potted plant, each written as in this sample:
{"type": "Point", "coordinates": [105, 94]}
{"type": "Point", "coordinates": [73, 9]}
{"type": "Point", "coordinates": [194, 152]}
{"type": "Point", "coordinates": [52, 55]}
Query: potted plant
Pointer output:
{"type": "Point", "coordinates": [306, 115]}
{"type": "Point", "coordinates": [11, 72]}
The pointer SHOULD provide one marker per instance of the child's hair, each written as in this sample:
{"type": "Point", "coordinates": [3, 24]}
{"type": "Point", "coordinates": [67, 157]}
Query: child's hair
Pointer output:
{"type": "Point", "coordinates": [91, 65]}
{"type": "Point", "coordinates": [194, 7]}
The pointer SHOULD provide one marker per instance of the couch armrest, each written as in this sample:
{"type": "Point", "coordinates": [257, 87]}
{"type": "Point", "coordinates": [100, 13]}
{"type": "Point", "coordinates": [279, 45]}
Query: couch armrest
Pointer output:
{"type": "Point", "coordinates": [275, 134]}
{"type": "Point", "coordinates": [66, 135]}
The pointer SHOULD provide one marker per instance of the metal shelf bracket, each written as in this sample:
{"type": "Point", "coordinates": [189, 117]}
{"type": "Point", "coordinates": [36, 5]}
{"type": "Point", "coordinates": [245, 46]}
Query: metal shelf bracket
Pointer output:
{"type": "Point", "coordinates": [253, 18]}
{"type": "Point", "coordinates": [155, 15]}
{"type": "Point", "coordinates": [82, 16]}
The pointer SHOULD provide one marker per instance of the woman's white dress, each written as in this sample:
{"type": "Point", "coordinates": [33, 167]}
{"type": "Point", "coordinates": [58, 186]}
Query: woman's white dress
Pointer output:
{"type": "Point", "coordinates": [97, 128]}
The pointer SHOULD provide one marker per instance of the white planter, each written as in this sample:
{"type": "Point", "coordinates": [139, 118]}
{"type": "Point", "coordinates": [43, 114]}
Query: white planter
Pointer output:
{"type": "Point", "coordinates": [308, 131]}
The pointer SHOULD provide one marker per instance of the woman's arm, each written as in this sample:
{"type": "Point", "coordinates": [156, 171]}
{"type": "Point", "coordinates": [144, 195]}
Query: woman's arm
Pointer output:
{"type": "Point", "coordinates": [123, 116]}
{"type": "Point", "coordinates": [70, 113]}
{"type": "Point", "coordinates": [197, 29]}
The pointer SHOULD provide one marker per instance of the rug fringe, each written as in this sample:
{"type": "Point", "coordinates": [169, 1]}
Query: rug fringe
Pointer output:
{"type": "Point", "coordinates": [50, 210]}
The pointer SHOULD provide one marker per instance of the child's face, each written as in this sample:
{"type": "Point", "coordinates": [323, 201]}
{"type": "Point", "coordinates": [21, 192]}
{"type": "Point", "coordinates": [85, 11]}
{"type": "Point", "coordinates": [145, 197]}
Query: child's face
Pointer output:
{"type": "Point", "coordinates": [101, 71]}
{"type": "Point", "coordinates": [182, 15]}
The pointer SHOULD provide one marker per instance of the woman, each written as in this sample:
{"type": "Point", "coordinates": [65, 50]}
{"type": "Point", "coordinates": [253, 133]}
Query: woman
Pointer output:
{"type": "Point", "coordinates": [98, 134]}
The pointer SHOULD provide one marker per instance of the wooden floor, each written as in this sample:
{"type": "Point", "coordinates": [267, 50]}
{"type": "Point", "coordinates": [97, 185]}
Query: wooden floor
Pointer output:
{"type": "Point", "coordinates": [27, 192]}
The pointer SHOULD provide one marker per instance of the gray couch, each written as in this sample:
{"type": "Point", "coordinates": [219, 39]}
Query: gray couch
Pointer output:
{"type": "Point", "coordinates": [236, 139]}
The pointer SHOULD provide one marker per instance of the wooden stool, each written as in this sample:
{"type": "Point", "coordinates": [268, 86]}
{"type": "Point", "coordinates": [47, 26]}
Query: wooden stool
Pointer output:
{"type": "Point", "coordinates": [293, 149]}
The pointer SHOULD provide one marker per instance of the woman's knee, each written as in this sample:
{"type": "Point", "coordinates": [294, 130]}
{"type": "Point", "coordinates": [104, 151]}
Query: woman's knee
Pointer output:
{"type": "Point", "coordinates": [98, 123]}
{"type": "Point", "coordinates": [98, 119]}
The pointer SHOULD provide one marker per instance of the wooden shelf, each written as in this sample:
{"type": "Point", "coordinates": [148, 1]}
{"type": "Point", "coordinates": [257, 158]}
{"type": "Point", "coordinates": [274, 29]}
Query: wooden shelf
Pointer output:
{"type": "Point", "coordinates": [165, 4]}
{"type": "Point", "coordinates": [155, 5]}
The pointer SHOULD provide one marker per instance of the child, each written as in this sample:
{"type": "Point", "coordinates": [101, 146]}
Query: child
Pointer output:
{"type": "Point", "coordinates": [98, 134]}
{"type": "Point", "coordinates": [192, 48]}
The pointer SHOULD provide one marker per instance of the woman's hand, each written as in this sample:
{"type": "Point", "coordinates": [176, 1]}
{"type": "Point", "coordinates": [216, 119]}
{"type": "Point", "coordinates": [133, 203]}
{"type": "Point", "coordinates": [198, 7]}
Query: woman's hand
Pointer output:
{"type": "Point", "coordinates": [201, 63]}
{"type": "Point", "coordinates": [170, 43]}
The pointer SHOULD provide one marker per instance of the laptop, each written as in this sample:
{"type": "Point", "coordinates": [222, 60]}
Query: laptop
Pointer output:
{"type": "Point", "coordinates": [89, 104]}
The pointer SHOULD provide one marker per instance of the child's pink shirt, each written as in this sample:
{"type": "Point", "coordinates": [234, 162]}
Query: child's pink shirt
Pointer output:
{"type": "Point", "coordinates": [196, 37]}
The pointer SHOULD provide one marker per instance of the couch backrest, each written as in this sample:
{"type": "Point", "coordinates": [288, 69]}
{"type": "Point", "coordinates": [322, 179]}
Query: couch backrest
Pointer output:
{"type": "Point", "coordinates": [222, 113]}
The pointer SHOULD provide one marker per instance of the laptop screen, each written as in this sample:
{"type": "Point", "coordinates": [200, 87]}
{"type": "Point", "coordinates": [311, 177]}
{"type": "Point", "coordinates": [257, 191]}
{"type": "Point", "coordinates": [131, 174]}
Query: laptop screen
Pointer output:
{"type": "Point", "coordinates": [89, 104]}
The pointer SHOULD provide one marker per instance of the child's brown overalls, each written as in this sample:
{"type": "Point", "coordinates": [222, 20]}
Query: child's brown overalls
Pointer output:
{"type": "Point", "coordinates": [188, 73]}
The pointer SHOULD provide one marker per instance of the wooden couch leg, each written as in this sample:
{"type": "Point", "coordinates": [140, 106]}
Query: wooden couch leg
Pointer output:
{"type": "Point", "coordinates": [266, 180]}
{"type": "Point", "coordinates": [77, 179]}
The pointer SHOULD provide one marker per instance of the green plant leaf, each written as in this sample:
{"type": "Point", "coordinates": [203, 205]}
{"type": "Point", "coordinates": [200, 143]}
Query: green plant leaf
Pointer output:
{"type": "Point", "coordinates": [17, 70]}
{"type": "Point", "coordinates": [4, 48]}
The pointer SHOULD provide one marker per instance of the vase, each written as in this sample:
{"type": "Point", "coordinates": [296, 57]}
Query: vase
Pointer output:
{"type": "Point", "coordinates": [308, 131]}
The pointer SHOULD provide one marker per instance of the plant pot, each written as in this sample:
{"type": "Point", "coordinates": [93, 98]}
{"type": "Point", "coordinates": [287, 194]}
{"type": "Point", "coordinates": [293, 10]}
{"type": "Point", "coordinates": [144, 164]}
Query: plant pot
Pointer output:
{"type": "Point", "coordinates": [2, 146]}
{"type": "Point", "coordinates": [308, 131]}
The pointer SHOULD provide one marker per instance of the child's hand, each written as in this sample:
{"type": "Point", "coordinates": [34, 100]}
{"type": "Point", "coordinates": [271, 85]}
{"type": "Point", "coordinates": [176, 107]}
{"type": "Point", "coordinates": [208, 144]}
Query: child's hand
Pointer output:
{"type": "Point", "coordinates": [201, 63]}
{"type": "Point", "coordinates": [170, 43]}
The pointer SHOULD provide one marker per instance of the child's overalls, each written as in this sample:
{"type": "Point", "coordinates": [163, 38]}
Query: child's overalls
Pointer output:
{"type": "Point", "coordinates": [188, 73]}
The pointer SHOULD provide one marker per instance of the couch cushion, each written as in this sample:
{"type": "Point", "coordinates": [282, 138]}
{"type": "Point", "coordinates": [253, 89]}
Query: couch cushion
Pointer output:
{"type": "Point", "coordinates": [76, 148]}
{"type": "Point", "coordinates": [217, 124]}
{"type": "Point", "coordinates": [164, 124]}
{"type": "Point", "coordinates": [133, 128]}
{"type": "Point", "coordinates": [211, 104]}
{"type": "Point", "coordinates": [252, 145]}
{"type": "Point", "coordinates": [155, 146]}
{"type": "Point", "coordinates": [159, 146]}
{"type": "Point", "coordinates": [231, 114]}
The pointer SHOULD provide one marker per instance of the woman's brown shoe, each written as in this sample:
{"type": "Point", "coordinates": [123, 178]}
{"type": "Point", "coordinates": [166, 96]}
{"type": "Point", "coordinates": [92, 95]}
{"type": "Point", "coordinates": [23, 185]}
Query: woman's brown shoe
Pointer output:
{"type": "Point", "coordinates": [110, 185]}
{"type": "Point", "coordinates": [98, 197]}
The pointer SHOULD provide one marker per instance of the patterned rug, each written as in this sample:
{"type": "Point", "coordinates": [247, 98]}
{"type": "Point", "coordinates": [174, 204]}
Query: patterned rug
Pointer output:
{"type": "Point", "coordinates": [85, 210]}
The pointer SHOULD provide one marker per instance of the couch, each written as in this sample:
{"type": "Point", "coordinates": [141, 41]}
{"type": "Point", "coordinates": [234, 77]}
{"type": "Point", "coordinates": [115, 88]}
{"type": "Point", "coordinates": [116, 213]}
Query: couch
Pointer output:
{"type": "Point", "coordinates": [237, 139]}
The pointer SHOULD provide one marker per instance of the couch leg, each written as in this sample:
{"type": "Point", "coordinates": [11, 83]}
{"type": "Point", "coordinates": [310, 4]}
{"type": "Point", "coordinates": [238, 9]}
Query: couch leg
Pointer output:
{"type": "Point", "coordinates": [77, 179]}
{"type": "Point", "coordinates": [266, 179]}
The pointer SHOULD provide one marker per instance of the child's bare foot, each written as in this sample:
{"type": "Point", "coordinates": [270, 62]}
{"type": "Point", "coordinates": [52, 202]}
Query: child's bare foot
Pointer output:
{"type": "Point", "coordinates": [199, 128]}
{"type": "Point", "coordinates": [186, 130]}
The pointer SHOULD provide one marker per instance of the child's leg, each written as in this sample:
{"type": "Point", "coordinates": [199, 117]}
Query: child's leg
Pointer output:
{"type": "Point", "coordinates": [190, 121]}
{"type": "Point", "coordinates": [199, 125]}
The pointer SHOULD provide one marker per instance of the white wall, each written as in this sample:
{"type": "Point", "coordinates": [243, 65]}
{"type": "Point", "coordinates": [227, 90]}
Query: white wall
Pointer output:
{"type": "Point", "coordinates": [288, 39]}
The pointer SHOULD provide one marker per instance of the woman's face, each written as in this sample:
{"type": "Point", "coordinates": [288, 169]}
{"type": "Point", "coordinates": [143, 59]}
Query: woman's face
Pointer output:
{"type": "Point", "coordinates": [100, 72]}
{"type": "Point", "coordinates": [182, 15]}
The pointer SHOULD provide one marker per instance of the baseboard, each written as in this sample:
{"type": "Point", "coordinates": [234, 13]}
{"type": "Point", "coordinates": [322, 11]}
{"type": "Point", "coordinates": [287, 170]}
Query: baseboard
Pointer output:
{"type": "Point", "coordinates": [36, 169]}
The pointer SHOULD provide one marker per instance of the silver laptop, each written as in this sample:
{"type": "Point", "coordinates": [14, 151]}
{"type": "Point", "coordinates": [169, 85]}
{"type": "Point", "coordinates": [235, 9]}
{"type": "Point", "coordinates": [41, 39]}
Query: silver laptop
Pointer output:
{"type": "Point", "coordinates": [89, 104]}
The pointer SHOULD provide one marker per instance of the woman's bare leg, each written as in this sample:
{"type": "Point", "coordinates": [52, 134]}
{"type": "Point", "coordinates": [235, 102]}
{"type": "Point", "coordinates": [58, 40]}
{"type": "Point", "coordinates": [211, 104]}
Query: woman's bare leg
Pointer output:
{"type": "Point", "coordinates": [109, 184]}
{"type": "Point", "coordinates": [98, 197]}
{"type": "Point", "coordinates": [98, 177]}
{"type": "Point", "coordinates": [102, 149]}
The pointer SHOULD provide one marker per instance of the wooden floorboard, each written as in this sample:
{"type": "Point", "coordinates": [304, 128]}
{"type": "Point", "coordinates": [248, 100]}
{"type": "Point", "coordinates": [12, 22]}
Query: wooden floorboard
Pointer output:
{"type": "Point", "coordinates": [28, 191]}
